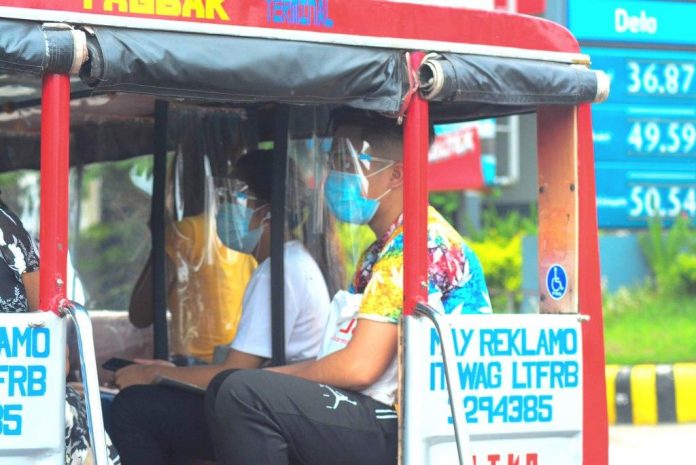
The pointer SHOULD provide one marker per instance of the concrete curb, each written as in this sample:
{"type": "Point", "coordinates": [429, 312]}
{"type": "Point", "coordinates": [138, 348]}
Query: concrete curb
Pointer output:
{"type": "Point", "coordinates": [651, 394]}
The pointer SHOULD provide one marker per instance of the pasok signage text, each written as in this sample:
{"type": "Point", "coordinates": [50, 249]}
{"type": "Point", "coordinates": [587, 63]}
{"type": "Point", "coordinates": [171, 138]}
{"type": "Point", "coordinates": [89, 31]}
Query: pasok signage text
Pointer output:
{"type": "Point", "coordinates": [32, 386]}
{"type": "Point", "coordinates": [632, 21]}
{"type": "Point", "coordinates": [518, 378]}
{"type": "Point", "coordinates": [200, 9]}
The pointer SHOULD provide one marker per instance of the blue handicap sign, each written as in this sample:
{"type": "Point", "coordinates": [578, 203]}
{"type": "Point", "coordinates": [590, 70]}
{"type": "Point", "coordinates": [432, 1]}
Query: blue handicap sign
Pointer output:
{"type": "Point", "coordinates": [556, 282]}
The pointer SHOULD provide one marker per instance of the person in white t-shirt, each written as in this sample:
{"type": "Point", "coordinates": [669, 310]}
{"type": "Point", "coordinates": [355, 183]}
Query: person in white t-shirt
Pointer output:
{"type": "Point", "coordinates": [151, 423]}
{"type": "Point", "coordinates": [303, 330]}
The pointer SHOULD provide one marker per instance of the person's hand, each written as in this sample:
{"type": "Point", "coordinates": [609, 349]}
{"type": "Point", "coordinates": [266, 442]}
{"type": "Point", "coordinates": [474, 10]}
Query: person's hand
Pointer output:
{"type": "Point", "coordinates": [144, 371]}
{"type": "Point", "coordinates": [135, 374]}
{"type": "Point", "coordinates": [153, 362]}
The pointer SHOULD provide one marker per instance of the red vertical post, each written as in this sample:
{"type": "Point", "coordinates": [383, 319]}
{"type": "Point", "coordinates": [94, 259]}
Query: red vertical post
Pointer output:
{"type": "Point", "coordinates": [55, 148]}
{"type": "Point", "coordinates": [595, 427]}
{"type": "Point", "coordinates": [416, 130]}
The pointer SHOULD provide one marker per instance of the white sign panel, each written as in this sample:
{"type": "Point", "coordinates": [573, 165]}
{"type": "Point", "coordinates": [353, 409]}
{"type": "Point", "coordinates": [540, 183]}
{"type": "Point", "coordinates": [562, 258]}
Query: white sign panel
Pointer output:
{"type": "Point", "coordinates": [32, 388]}
{"type": "Point", "coordinates": [519, 379]}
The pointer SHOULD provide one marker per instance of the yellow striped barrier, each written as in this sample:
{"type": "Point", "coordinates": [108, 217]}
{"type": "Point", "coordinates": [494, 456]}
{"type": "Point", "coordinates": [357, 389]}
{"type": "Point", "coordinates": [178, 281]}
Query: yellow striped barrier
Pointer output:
{"type": "Point", "coordinates": [651, 394]}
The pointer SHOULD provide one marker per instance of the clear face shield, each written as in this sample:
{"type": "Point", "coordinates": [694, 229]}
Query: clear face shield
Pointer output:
{"type": "Point", "coordinates": [347, 186]}
{"type": "Point", "coordinates": [206, 279]}
{"type": "Point", "coordinates": [235, 207]}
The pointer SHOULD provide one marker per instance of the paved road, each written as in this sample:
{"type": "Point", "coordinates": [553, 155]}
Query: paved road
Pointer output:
{"type": "Point", "coordinates": [652, 445]}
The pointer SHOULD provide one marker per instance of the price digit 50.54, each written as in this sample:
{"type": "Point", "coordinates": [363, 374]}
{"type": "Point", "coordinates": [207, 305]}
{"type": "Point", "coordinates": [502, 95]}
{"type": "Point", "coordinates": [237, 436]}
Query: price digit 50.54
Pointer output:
{"type": "Point", "coordinates": [647, 201]}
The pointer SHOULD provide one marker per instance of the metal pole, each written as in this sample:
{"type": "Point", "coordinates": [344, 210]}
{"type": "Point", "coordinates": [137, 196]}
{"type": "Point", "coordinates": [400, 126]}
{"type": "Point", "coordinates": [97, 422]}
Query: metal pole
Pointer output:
{"type": "Point", "coordinates": [595, 423]}
{"type": "Point", "coordinates": [159, 285]}
{"type": "Point", "coordinates": [55, 162]}
{"type": "Point", "coordinates": [75, 249]}
{"type": "Point", "coordinates": [416, 130]}
{"type": "Point", "coordinates": [444, 330]}
{"type": "Point", "coordinates": [280, 155]}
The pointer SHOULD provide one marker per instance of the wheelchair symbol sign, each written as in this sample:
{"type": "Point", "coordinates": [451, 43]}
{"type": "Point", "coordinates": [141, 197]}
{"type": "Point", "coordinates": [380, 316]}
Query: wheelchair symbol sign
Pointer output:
{"type": "Point", "coordinates": [556, 282]}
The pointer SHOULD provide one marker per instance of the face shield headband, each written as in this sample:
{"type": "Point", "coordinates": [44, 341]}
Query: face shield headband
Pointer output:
{"type": "Point", "coordinates": [347, 184]}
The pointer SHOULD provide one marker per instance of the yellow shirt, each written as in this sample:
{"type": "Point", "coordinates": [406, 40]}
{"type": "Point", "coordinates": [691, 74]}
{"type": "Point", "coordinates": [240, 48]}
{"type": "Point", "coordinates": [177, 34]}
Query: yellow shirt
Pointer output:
{"type": "Point", "coordinates": [205, 300]}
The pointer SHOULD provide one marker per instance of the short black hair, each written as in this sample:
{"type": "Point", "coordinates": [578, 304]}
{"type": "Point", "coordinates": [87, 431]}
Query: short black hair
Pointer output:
{"type": "Point", "coordinates": [255, 169]}
{"type": "Point", "coordinates": [384, 134]}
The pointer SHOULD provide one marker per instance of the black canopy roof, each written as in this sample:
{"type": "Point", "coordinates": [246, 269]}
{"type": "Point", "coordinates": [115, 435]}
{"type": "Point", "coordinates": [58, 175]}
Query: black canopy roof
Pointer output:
{"type": "Point", "coordinates": [225, 69]}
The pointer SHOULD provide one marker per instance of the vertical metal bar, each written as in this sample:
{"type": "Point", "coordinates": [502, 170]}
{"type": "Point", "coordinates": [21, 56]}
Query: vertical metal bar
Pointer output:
{"type": "Point", "coordinates": [90, 382]}
{"type": "Point", "coordinates": [280, 150]}
{"type": "Point", "coordinates": [595, 436]}
{"type": "Point", "coordinates": [75, 234]}
{"type": "Point", "coordinates": [55, 162]}
{"type": "Point", "coordinates": [416, 143]}
{"type": "Point", "coordinates": [159, 286]}
{"type": "Point", "coordinates": [444, 330]}
{"type": "Point", "coordinates": [557, 154]}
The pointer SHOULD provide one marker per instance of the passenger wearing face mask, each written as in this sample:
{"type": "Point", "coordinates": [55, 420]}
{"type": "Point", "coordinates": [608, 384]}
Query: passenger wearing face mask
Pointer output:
{"type": "Point", "coordinates": [205, 280]}
{"type": "Point", "coordinates": [243, 224]}
{"type": "Point", "coordinates": [152, 424]}
{"type": "Point", "coordinates": [340, 408]}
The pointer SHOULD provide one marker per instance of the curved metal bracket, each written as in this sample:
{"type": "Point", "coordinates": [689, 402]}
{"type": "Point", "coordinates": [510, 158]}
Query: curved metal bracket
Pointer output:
{"type": "Point", "coordinates": [461, 434]}
{"type": "Point", "coordinates": [90, 381]}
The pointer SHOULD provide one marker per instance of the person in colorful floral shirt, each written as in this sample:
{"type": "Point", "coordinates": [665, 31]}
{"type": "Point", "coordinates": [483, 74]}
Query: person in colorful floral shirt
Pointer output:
{"type": "Point", "coordinates": [339, 408]}
{"type": "Point", "coordinates": [455, 278]}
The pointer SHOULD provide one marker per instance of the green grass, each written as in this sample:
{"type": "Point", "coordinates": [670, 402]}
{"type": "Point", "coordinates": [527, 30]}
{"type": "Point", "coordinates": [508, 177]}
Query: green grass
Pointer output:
{"type": "Point", "coordinates": [641, 326]}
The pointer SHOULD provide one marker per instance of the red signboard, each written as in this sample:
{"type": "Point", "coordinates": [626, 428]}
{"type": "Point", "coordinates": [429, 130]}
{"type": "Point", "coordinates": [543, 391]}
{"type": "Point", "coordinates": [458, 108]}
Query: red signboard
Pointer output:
{"type": "Point", "coordinates": [455, 161]}
{"type": "Point", "coordinates": [397, 25]}
{"type": "Point", "coordinates": [528, 7]}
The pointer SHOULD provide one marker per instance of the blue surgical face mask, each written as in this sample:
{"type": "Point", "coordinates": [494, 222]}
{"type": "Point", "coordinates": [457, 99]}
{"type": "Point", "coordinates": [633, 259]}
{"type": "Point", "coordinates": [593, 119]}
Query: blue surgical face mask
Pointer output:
{"type": "Point", "coordinates": [344, 195]}
{"type": "Point", "coordinates": [233, 227]}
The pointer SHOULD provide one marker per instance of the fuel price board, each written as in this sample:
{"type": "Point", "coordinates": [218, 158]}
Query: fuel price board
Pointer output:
{"type": "Point", "coordinates": [645, 136]}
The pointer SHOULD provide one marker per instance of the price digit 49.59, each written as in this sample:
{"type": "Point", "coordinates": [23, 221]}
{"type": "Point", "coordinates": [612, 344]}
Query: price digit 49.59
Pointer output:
{"type": "Point", "coordinates": [675, 137]}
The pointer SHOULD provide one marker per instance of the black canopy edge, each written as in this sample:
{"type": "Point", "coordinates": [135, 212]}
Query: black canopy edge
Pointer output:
{"type": "Point", "coordinates": [451, 78]}
{"type": "Point", "coordinates": [241, 69]}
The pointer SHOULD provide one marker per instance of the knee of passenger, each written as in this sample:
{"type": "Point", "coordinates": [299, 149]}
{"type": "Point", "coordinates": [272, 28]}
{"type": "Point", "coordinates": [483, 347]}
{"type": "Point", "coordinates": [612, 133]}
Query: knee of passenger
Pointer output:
{"type": "Point", "coordinates": [232, 386]}
{"type": "Point", "coordinates": [216, 382]}
{"type": "Point", "coordinates": [129, 400]}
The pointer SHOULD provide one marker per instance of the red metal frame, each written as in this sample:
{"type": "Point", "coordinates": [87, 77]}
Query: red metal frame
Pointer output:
{"type": "Point", "coordinates": [595, 428]}
{"type": "Point", "coordinates": [55, 149]}
{"type": "Point", "coordinates": [416, 130]}
{"type": "Point", "coordinates": [557, 156]}
{"type": "Point", "coordinates": [527, 7]}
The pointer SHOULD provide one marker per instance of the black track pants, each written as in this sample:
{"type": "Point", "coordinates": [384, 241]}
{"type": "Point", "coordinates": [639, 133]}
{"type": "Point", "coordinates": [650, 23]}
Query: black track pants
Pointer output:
{"type": "Point", "coordinates": [153, 424]}
{"type": "Point", "coordinates": [258, 417]}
